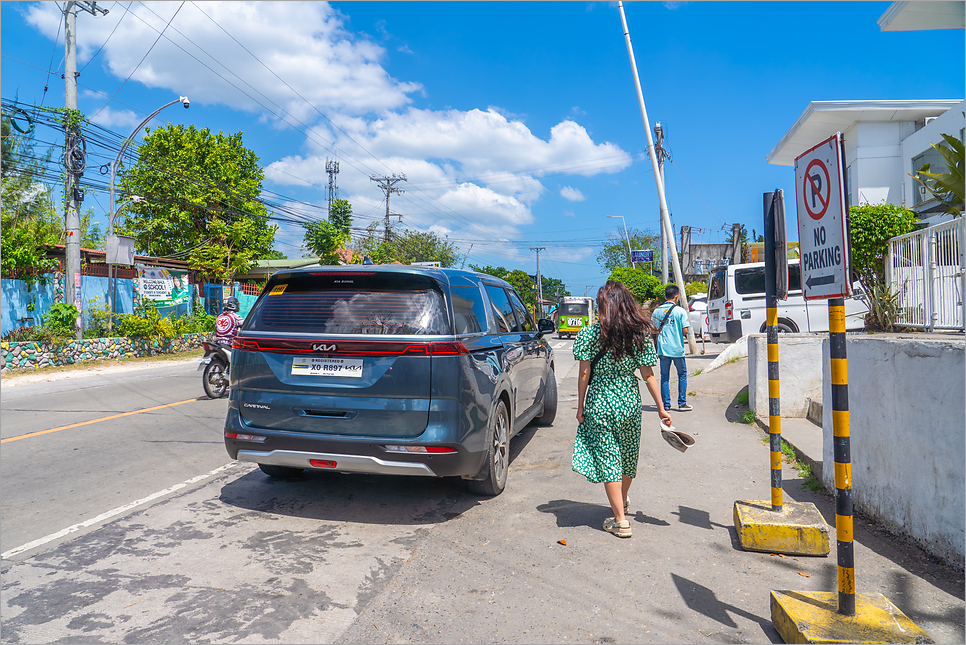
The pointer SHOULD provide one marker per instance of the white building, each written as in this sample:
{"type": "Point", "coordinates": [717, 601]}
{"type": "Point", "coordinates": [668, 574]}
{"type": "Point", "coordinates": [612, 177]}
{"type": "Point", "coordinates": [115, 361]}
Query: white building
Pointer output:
{"type": "Point", "coordinates": [886, 141]}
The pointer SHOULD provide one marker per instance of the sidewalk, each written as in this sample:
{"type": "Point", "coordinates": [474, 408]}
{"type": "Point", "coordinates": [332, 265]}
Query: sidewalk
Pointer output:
{"type": "Point", "coordinates": [533, 564]}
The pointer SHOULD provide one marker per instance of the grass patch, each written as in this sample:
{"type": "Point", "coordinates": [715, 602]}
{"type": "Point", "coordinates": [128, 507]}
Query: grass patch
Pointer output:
{"type": "Point", "coordinates": [698, 372]}
{"type": "Point", "coordinates": [810, 481]}
{"type": "Point", "coordinates": [734, 360]}
{"type": "Point", "coordinates": [742, 398]}
{"type": "Point", "coordinates": [748, 416]}
{"type": "Point", "coordinates": [692, 393]}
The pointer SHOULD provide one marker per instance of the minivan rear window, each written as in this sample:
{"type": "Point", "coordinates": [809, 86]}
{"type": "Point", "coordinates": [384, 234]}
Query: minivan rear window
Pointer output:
{"type": "Point", "coordinates": [333, 302]}
{"type": "Point", "coordinates": [716, 288]}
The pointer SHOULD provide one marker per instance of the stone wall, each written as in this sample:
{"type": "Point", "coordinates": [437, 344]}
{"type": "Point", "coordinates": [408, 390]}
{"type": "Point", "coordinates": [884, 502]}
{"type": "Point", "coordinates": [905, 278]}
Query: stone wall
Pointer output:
{"type": "Point", "coordinates": [31, 355]}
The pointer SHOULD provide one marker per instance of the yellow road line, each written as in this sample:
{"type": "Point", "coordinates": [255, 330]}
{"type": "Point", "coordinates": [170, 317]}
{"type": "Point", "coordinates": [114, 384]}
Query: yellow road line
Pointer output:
{"type": "Point", "coordinates": [84, 423]}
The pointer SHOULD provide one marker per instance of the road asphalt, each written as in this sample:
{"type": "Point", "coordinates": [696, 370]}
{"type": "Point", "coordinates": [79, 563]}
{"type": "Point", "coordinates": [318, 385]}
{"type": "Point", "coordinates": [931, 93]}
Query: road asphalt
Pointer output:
{"type": "Point", "coordinates": [237, 557]}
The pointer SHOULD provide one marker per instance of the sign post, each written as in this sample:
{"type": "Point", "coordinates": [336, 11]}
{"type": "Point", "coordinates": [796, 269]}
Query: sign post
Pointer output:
{"type": "Point", "coordinates": [821, 616]}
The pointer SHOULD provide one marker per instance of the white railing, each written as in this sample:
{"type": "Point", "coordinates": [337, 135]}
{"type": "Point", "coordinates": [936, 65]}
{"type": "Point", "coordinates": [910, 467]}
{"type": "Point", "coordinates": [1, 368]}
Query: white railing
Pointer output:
{"type": "Point", "coordinates": [927, 270]}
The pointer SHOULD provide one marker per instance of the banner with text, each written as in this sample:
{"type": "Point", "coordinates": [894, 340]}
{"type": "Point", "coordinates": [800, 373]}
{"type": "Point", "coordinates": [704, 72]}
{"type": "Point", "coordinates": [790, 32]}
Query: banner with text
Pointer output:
{"type": "Point", "coordinates": [164, 287]}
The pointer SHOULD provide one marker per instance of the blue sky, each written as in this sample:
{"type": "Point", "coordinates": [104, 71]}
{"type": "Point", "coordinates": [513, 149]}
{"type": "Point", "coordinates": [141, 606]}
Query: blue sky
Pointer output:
{"type": "Point", "coordinates": [517, 123]}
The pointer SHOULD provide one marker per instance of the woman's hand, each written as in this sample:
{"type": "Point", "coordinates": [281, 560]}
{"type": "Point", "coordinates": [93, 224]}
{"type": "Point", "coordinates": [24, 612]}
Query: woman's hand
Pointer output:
{"type": "Point", "coordinates": [665, 417]}
{"type": "Point", "coordinates": [580, 414]}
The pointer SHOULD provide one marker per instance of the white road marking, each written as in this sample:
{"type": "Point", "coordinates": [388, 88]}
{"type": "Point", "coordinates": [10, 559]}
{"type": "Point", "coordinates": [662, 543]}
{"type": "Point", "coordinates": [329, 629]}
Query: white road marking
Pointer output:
{"type": "Point", "coordinates": [113, 512]}
{"type": "Point", "coordinates": [559, 345]}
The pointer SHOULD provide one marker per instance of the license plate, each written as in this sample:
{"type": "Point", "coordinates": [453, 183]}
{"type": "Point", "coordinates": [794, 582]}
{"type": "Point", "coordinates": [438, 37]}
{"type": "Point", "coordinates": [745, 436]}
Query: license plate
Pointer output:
{"type": "Point", "coordinates": [316, 366]}
{"type": "Point", "coordinates": [575, 322]}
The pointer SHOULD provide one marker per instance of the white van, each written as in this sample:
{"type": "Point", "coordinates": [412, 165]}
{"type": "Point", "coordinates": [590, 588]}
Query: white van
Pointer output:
{"type": "Point", "coordinates": [736, 304]}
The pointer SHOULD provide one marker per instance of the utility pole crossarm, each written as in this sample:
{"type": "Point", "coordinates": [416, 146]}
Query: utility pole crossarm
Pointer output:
{"type": "Point", "coordinates": [388, 185]}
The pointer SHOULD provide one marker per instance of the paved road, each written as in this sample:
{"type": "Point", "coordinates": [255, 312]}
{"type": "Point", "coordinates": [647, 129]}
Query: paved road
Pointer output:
{"type": "Point", "coordinates": [237, 557]}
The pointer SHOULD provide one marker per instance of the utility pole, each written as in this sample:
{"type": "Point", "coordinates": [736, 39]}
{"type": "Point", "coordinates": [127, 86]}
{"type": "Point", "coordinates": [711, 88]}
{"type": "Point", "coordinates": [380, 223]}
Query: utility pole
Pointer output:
{"type": "Point", "coordinates": [388, 185]}
{"type": "Point", "coordinates": [665, 215]}
{"type": "Point", "coordinates": [539, 281]}
{"type": "Point", "coordinates": [332, 167]}
{"type": "Point", "coordinates": [736, 244]}
{"type": "Point", "coordinates": [662, 154]}
{"type": "Point", "coordinates": [74, 155]}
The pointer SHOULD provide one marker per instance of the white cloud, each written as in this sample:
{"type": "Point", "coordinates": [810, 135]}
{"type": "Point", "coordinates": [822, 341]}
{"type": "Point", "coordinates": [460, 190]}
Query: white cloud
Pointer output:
{"type": "Point", "coordinates": [122, 119]}
{"type": "Point", "coordinates": [304, 43]}
{"type": "Point", "coordinates": [572, 194]}
{"type": "Point", "coordinates": [475, 171]}
{"type": "Point", "coordinates": [568, 214]}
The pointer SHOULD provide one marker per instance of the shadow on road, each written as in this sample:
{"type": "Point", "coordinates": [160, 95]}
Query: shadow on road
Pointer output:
{"type": "Point", "coordinates": [704, 601]}
{"type": "Point", "coordinates": [365, 499]}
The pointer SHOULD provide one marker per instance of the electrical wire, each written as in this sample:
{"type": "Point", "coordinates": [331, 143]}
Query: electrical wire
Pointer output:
{"type": "Point", "coordinates": [126, 9]}
{"type": "Point", "coordinates": [142, 61]}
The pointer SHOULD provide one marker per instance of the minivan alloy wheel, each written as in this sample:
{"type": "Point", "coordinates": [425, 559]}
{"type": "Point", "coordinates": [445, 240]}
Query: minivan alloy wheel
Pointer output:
{"type": "Point", "coordinates": [497, 463]}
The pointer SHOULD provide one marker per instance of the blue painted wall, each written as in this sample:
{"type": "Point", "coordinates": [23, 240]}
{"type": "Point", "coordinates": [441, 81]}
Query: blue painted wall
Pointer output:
{"type": "Point", "coordinates": [16, 297]}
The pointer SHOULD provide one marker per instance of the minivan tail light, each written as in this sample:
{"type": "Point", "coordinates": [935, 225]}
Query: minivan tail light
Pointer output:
{"type": "Point", "coordinates": [254, 438]}
{"type": "Point", "coordinates": [433, 450]}
{"type": "Point", "coordinates": [448, 348]}
{"type": "Point", "coordinates": [349, 347]}
{"type": "Point", "coordinates": [729, 310]}
{"type": "Point", "coordinates": [322, 463]}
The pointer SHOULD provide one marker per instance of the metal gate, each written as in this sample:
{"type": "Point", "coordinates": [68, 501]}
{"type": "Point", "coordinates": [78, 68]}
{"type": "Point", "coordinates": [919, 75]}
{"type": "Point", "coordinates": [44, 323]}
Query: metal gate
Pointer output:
{"type": "Point", "coordinates": [927, 270]}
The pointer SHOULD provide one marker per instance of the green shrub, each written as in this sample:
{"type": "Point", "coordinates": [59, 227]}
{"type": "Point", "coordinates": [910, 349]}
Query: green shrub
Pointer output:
{"type": "Point", "coordinates": [61, 319]}
{"type": "Point", "coordinates": [694, 288]}
{"type": "Point", "coordinates": [29, 334]}
{"type": "Point", "coordinates": [872, 226]}
{"type": "Point", "coordinates": [644, 287]}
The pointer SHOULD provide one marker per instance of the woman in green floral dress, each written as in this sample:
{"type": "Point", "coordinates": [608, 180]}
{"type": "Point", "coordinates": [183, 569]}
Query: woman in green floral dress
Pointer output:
{"type": "Point", "coordinates": [609, 403]}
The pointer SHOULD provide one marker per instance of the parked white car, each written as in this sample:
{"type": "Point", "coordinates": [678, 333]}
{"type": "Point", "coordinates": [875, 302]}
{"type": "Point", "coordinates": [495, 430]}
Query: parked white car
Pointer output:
{"type": "Point", "coordinates": [736, 304]}
{"type": "Point", "coordinates": [698, 313]}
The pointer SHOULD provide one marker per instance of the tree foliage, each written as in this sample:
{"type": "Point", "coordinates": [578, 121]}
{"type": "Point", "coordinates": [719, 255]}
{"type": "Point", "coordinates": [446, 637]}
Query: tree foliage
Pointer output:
{"type": "Point", "coordinates": [201, 199]}
{"type": "Point", "coordinates": [525, 285]}
{"type": "Point", "coordinates": [695, 288]}
{"type": "Point", "coordinates": [872, 226]}
{"type": "Point", "coordinates": [324, 237]}
{"type": "Point", "coordinates": [949, 186]}
{"type": "Point", "coordinates": [406, 247]}
{"type": "Point", "coordinates": [644, 287]}
{"type": "Point", "coordinates": [29, 222]}
{"type": "Point", "coordinates": [614, 252]}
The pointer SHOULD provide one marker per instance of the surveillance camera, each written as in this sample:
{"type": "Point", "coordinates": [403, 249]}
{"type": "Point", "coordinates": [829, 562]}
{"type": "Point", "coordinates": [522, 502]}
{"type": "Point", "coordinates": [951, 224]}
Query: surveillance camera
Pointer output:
{"type": "Point", "coordinates": [184, 99]}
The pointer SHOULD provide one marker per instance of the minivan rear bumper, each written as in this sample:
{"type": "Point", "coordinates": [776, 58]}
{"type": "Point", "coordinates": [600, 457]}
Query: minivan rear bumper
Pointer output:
{"type": "Point", "coordinates": [343, 463]}
{"type": "Point", "coordinates": [351, 454]}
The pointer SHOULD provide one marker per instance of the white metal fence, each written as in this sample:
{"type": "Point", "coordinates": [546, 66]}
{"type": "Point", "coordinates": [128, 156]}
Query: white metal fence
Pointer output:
{"type": "Point", "coordinates": [927, 269]}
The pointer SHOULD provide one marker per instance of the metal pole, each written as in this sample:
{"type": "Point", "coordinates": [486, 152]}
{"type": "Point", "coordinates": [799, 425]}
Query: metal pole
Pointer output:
{"type": "Point", "coordinates": [771, 330]}
{"type": "Point", "coordinates": [539, 280]}
{"type": "Point", "coordinates": [112, 213]}
{"type": "Point", "coordinates": [627, 240]}
{"type": "Point", "coordinates": [843, 457]}
{"type": "Point", "coordinates": [665, 216]}
{"type": "Point", "coordinates": [72, 216]}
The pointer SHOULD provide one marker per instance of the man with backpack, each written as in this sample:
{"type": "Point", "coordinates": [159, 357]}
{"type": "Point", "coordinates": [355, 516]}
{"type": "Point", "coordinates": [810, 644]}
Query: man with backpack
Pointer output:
{"type": "Point", "coordinates": [672, 323]}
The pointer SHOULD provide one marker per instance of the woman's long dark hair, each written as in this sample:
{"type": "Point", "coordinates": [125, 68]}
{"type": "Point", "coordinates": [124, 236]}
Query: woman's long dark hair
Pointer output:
{"type": "Point", "coordinates": [624, 325]}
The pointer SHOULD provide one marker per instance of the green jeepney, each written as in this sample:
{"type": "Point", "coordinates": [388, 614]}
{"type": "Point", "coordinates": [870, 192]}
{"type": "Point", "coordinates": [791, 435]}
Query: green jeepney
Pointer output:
{"type": "Point", "coordinates": [574, 314]}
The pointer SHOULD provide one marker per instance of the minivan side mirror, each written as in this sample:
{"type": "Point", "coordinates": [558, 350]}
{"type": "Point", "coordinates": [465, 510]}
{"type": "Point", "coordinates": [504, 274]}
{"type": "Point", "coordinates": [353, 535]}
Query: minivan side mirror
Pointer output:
{"type": "Point", "coordinates": [545, 326]}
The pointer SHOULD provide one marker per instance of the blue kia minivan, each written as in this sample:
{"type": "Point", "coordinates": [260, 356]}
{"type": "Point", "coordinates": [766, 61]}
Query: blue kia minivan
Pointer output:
{"type": "Point", "coordinates": [388, 369]}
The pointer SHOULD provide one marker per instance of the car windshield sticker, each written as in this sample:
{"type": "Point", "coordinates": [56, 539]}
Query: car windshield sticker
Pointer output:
{"type": "Point", "coordinates": [277, 289]}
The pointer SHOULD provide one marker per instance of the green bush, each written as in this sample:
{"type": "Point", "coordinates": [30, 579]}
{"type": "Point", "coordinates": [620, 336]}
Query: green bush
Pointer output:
{"type": "Point", "coordinates": [29, 334]}
{"type": "Point", "coordinates": [872, 226]}
{"type": "Point", "coordinates": [61, 319]}
{"type": "Point", "coordinates": [695, 288]}
{"type": "Point", "coordinates": [644, 287]}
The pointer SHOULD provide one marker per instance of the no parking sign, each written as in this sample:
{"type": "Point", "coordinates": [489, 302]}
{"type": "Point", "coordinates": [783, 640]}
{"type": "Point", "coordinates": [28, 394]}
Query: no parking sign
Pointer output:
{"type": "Point", "coordinates": [822, 237]}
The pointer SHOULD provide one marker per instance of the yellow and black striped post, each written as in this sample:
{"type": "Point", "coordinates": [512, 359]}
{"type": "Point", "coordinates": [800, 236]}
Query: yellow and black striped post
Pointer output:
{"type": "Point", "coordinates": [774, 405]}
{"type": "Point", "coordinates": [843, 455]}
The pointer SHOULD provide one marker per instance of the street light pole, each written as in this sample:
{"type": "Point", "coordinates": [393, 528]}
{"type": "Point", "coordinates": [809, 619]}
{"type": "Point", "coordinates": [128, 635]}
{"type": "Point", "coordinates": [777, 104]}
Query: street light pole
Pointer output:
{"type": "Point", "coordinates": [110, 223]}
{"type": "Point", "coordinates": [627, 240]}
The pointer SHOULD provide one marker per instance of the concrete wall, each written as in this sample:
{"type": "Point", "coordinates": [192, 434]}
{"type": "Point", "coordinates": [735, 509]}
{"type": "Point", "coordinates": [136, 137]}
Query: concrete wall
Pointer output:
{"type": "Point", "coordinates": [16, 298]}
{"type": "Point", "coordinates": [800, 372]}
{"type": "Point", "coordinates": [906, 412]}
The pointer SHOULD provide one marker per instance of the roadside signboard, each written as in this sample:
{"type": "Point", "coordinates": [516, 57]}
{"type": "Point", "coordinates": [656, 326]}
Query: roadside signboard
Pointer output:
{"type": "Point", "coordinates": [822, 236]}
{"type": "Point", "coordinates": [642, 256]}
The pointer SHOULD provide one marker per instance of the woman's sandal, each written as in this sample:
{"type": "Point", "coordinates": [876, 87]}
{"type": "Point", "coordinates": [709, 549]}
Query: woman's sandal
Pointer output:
{"type": "Point", "coordinates": [620, 529]}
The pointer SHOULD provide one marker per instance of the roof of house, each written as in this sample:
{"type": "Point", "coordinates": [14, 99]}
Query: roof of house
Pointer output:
{"type": "Point", "coordinates": [921, 16]}
{"type": "Point", "coordinates": [822, 119]}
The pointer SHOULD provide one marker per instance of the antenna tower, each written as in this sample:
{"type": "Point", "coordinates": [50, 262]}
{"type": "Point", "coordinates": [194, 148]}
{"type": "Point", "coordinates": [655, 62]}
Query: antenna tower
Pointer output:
{"type": "Point", "coordinates": [332, 167]}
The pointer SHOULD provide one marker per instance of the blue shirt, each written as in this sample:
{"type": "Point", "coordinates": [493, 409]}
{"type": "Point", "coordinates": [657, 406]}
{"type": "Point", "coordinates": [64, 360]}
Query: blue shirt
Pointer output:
{"type": "Point", "coordinates": [670, 342]}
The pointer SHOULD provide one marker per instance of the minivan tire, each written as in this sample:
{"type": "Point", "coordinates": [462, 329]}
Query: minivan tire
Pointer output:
{"type": "Point", "coordinates": [497, 464]}
{"type": "Point", "coordinates": [281, 472]}
{"type": "Point", "coordinates": [549, 401]}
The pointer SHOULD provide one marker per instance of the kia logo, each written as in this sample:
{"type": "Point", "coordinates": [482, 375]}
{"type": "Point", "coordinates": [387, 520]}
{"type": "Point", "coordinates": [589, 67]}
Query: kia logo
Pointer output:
{"type": "Point", "coordinates": [321, 347]}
